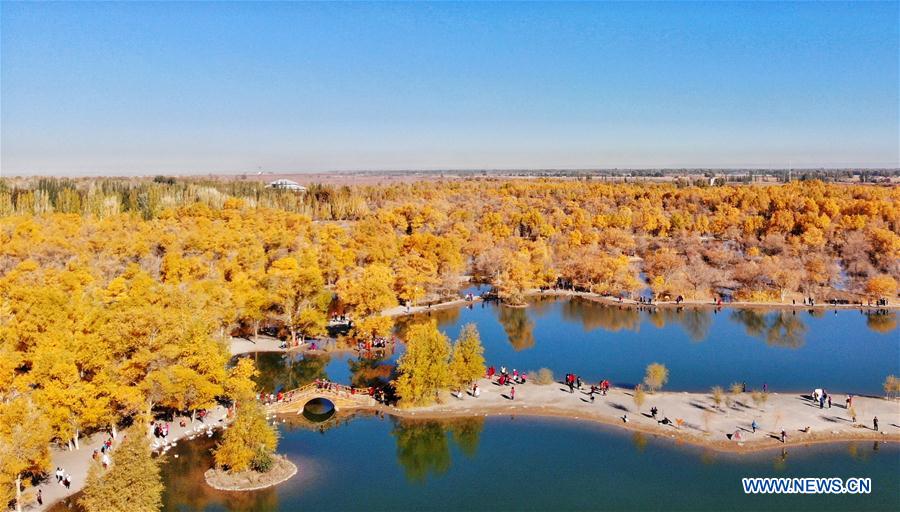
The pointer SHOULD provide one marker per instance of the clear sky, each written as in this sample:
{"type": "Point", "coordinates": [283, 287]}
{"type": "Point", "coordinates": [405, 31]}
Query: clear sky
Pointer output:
{"type": "Point", "coordinates": [142, 88]}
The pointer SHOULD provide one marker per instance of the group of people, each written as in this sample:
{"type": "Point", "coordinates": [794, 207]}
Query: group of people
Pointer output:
{"type": "Point", "coordinates": [271, 398]}
{"type": "Point", "coordinates": [602, 387]}
{"type": "Point", "coordinates": [102, 455]}
{"type": "Point", "coordinates": [573, 381]}
{"type": "Point", "coordinates": [505, 378]}
{"type": "Point", "coordinates": [822, 397]}
{"type": "Point", "coordinates": [160, 430]}
{"type": "Point", "coordinates": [378, 343]}
{"type": "Point", "coordinates": [63, 477]}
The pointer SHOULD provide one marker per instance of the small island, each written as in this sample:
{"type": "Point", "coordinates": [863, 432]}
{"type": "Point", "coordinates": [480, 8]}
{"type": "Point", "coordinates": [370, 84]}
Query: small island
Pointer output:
{"type": "Point", "coordinates": [246, 459]}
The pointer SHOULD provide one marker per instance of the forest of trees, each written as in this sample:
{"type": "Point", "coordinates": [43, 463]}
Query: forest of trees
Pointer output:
{"type": "Point", "coordinates": [117, 297]}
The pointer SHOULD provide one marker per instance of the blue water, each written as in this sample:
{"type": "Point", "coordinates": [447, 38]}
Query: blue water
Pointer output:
{"type": "Point", "coordinates": [847, 351]}
{"type": "Point", "coordinates": [370, 463]}
{"type": "Point", "coordinates": [788, 350]}
{"type": "Point", "coordinates": [376, 464]}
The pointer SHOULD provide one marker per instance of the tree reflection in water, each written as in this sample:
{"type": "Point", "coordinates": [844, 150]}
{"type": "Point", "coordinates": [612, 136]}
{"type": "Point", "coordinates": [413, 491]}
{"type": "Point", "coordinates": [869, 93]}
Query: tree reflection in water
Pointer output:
{"type": "Point", "coordinates": [423, 447]}
{"type": "Point", "coordinates": [695, 321]}
{"type": "Point", "coordinates": [518, 326]}
{"type": "Point", "coordinates": [781, 328]}
{"type": "Point", "coordinates": [593, 316]}
{"type": "Point", "coordinates": [186, 489]}
{"type": "Point", "coordinates": [287, 371]}
{"type": "Point", "coordinates": [370, 372]}
{"type": "Point", "coordinates": [882, 321]}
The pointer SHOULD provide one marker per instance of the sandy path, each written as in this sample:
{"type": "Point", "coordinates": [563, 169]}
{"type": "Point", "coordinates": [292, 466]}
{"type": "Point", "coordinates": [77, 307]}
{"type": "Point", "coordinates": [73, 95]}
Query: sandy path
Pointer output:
{"type": "Point", "coordinates": [703, 424]}
{"type": "Point", "coordinates": [257, 344]}
{"type": "Point", "coordinates": [77, 462]}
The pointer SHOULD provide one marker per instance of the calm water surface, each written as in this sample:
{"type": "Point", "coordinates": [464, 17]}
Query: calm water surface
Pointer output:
{"type": "Point", "coordinates": [370, 463]}
{"type": "Point", "coordinates": [525, 464]}
{"type": "Point", "coordinates": [847, 351]}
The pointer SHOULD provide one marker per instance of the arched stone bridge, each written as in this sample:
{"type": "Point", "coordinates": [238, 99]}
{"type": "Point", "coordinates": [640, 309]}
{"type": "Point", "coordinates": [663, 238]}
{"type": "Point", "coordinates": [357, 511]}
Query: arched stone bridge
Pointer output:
{"type": "Point", "coordinates": [343, 397]}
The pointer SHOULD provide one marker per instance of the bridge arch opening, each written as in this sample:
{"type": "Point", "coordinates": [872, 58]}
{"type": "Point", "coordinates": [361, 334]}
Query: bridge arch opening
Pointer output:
{"type": "Point", "coordinates": [319, 409]}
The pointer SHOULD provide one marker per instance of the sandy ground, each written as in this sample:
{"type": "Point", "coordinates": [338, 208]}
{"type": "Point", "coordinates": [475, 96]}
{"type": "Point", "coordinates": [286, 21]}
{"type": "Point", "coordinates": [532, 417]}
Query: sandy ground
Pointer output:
{"type": "Point", "coordinates": [701, 422]}
{"type": "Point", "coordinates": [704, 303]}
{"type": "Point", "coordinates": [77, 462]}
{"type": "Point", "coordinates": [256, 344]}
{"type": "Point", "coordinates": [403, 310]}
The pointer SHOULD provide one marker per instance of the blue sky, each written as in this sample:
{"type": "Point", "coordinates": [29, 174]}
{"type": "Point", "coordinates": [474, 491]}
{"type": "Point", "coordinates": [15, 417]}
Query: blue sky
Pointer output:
{"type": "Point", "coordinates": [135, 88]}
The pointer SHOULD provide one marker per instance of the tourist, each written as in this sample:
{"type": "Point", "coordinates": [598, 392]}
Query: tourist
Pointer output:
{"type": "Point", "coordinates": [653, 412]}
{"type": "Point", "coordinates": [875, 423]}
{"type": "Point", "coordinates": [512, 396]}
{"type": "Point", "coordinates": [783, 436]}
{"type": "Point", "coordinates": [765, 387]}
{"type": "Point", "coordinates": [829, 401]}
{"type": "Point", "coordinates": [40, 497]}
{"type": "Point", "coordinates": [59, 473]}
{"type": "Point", "coordinates": [754, 426]}
{"type": "Point", "coordinates": [67, 480]}
{"type": "Point", "coordinates": [105, 460]}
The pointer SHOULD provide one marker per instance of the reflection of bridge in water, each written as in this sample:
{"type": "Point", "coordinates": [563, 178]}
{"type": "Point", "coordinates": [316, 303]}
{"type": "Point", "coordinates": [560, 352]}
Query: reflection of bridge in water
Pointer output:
{"type": "Point", "coordinates": [342, 397]}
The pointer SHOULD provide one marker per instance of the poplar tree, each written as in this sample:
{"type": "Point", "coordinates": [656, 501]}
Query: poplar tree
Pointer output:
{"type": "Point", "coordinates": [131, 484]}
{"type": "Point", "coordinates": [24, 447]}
{"type": "Point", "coordinates": [467, 360]}
{"type": "Point", "coordinates": [249, 442]}
{"type": "Point", "coordinates": [424, 369]}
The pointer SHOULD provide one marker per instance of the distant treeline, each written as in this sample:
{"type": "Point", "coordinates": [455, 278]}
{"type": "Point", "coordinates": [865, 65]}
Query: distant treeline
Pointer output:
{"type": "Point", "coordinates": [148, 198]}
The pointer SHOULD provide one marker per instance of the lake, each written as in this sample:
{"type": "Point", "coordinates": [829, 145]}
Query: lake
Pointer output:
{"type": "Point", "coordinates": [501, 463]}
{"type": "Point", "coordinates": [790, 350]}
{"type": "Point", "coordinates": [373, 464]}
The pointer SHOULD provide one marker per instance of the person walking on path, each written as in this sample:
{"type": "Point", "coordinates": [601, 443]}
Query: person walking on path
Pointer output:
{"type": "Point", "coordinates": [40, 497]}
{"type": "Point", "coordinates": [829, 401]}
{"type": "Point", "coordinates": [783, 436]}
{"type": "Point", "coordinates": [875, 423]}
{"type": "Point", "coordinates": [754, 426]}
{"type": "Point", "coordinates": [512, 393]}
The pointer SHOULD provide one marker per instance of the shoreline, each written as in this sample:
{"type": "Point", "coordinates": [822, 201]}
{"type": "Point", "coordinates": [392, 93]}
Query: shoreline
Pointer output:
{"type": "Point", "coordinates": [291, 467]}
{"type": "Point", "coordinates": [658, 432]}
{"type": "Point", "coordinates": [401, 311]}
{"type": "Point", "coordinates": [702, 423]}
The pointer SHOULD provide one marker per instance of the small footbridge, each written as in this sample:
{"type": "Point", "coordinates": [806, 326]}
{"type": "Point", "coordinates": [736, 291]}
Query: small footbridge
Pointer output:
{"type": "Point", "coordinates": [342, 397]}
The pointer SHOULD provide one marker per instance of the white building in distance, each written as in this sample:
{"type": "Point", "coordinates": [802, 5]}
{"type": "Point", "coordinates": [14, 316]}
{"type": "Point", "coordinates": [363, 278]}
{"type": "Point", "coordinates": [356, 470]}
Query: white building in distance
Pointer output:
{"type": "Point", "coordinates": [287, 185]}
